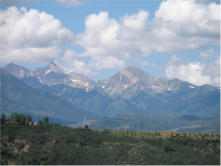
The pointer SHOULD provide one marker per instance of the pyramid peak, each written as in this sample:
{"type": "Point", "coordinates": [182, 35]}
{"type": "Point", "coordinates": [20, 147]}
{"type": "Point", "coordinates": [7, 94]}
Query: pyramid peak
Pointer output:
{"type": "Point", "coordinates": [13, 66]}
{"type": "Point", "coordinates": [133, 68]}
{"type": "Point", "coordinates": [52, 63]}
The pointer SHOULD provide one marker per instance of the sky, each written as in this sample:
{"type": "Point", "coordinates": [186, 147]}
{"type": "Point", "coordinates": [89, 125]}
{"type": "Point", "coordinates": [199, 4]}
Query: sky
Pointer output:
{"type": "Point", "coordinates": [168, 39]}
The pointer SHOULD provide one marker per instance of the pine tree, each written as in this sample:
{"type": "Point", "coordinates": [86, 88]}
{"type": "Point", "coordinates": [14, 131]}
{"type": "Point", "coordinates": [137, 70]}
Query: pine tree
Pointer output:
{"type": "Point", "coordinates": [28, 119]}
{"type": "Point", "coordinates": [14, 118]}
{"type": "Point", "coordinates": [46, 122]}
{"type": "Point", "coordinates": [39, 124]}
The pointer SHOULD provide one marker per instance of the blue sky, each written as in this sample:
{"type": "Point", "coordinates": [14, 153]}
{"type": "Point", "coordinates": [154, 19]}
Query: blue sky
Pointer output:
{"type": "Point", "coordinates": [173, 38]}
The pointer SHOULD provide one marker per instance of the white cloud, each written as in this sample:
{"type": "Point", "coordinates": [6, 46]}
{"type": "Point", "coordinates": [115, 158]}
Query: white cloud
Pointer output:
{"type": "Point", "coordinates": [88, 65]}
{"type": "Point", "coordinates": [135, 22]}
{"type": "Point", "coordinates": [72, 3]}
{"type": "Point", "coordinates": [30, 35]}
{"type": "Point", "coordinates": [100, 32]}
{"type": "Point", "coordinates": [197, 73]}
{"type": "Point", "coordinates": [191, 20]}
{"type": "Point", "coordinates": [112, 43]}
{"type": "Point", "coordinates": [207, 53]}
{"type": "Point", "coordinates": [191, 72]}
{"type": "Point", "coordinates": [212, 69]}
{"type": "Point", "coordinates": [106, 41]}
{"type": "Point", "coordinates": [186, 25]}
{"type": "Point", "coordinates": [72, 62]}
{"type": "Point", "coordinates": [107, 63]}
{"type": "Point", "coordinates": [177, 26]}
{"type": "Point", "coordinates": [29, 55]}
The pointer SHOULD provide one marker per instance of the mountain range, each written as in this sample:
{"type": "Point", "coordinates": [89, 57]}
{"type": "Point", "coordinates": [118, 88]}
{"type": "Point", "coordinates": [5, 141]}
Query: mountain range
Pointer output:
{"type": "Point", "coordinates": [130, 92]}
{"type": "Point", "coordinates": [16, 96]}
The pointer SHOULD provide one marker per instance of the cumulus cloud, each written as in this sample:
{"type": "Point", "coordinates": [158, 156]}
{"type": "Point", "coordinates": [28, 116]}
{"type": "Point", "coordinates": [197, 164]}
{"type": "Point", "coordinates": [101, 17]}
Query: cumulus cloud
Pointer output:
{"type": "Point", "coordinates": [106, 36]}
{"type": "Point", "coordinates": [88, 65]}
{"type": "Point", "coordinates": [197, 73]}
{"type": "Point", "coordinates": [72, 3]}
{"type": "Point", "coordinates": [112, 43]}
{"type": "Point", "coordinates": [194, 25]}
{"type": "Point", "coordinates": [177, 25]}
{"type": "Point", "coordinates": [191, 72]}
{"type": "Point", "coordinates": [30, 35]}
{"type": "Point", "coordinates": [109, 62]}
{"type": "Point", "coordinates": [72, 62]}
{"type": "Point", "coordinates": [100, 33]}
{"type": "Point", "coordinates": [30, 55]}
{"type": "Point", "coordinates": [213, 70]}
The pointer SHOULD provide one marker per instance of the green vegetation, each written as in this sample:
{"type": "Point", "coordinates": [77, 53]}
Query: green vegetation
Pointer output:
{"type": "Point", "coordinates": [25, 142]}
{"type": "Point", "coordinates": [157, 123]}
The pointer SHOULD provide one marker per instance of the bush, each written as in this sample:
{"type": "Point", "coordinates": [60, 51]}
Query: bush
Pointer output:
{"type": "Point", "coordinates": [168, 148]}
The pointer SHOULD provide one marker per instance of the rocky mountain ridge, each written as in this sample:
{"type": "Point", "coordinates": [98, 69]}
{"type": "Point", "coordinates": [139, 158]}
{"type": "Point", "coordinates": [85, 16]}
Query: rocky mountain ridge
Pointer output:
{"type": "Point", "coordinates": [128, 80]}
{"type": "Point", "coordinates": [130, 92]}
{"type": "Point", "coordinates": [50, 75]}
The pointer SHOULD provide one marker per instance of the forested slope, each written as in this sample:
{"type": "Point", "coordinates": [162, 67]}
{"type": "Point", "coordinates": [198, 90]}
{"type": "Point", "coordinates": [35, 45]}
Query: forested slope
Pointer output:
{"type": "Point", "coordinates": [24, 142]}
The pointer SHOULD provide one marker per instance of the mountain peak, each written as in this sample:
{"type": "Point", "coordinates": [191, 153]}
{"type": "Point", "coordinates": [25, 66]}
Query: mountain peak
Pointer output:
{"type": "Point", "coordinates": [132, 70]}
{"type": "Point", "coordinates": [17, 70]}
{"type": "Point", "coordinates": [130, 79]}
{"type": "Point", "coordinates": [52, 64]}
{"type": "Point", "coordinates": [13, 66]}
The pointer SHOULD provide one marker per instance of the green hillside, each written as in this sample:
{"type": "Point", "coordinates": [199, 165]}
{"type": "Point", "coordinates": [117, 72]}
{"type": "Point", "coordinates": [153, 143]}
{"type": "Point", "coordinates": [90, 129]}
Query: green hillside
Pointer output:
{"type": "Point", "coordinates": [48, 143]}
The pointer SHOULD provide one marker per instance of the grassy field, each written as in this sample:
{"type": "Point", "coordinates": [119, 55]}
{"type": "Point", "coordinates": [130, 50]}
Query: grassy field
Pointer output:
{"type": "Point", "coordinates": [47, 143]}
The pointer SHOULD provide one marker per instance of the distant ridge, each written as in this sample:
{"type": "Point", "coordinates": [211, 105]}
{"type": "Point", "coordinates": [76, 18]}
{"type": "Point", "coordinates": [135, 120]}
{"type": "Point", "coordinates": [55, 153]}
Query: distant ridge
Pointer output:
{"type": "Point", "coordinates": [16, 96]}
{"type": "Point", "coordinates": [128, 92]}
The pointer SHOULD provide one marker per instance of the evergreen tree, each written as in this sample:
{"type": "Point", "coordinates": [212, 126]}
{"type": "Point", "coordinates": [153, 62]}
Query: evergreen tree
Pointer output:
{"type": "Point", "coordinates": [28, 119]}
{"type": "Point", "coordinates": [46, 122]}
{"type": "Point", "coordinates": [3, 118]}
{"type": "Point", "coordinates": [21, 119]}
{"type": "Point", "coordinates": [14, 118]}
{"type": "Point", "coordinates": [86, 127]}
{"type": "Point", "coordinates": [39, 124]}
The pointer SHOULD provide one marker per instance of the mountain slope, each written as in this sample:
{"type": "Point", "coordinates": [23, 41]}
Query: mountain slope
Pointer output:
{"type": "Point", "coordinates": [129, 92]}
{"type": "Point", "coordinates": [162, 96]}
{"type": "Point", "coordinates": [94, 100]}
{"type": "Point", "coordinates": [16, 96]}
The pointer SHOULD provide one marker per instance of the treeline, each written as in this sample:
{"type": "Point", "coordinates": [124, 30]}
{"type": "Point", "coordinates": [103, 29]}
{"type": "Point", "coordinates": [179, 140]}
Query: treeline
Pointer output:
{"type": "Point", "coordinates": [21, 119]}
{"type": "Point", "coordinates": [24, 141]}
{"type": "Point", "coordinates": [164, 134]}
